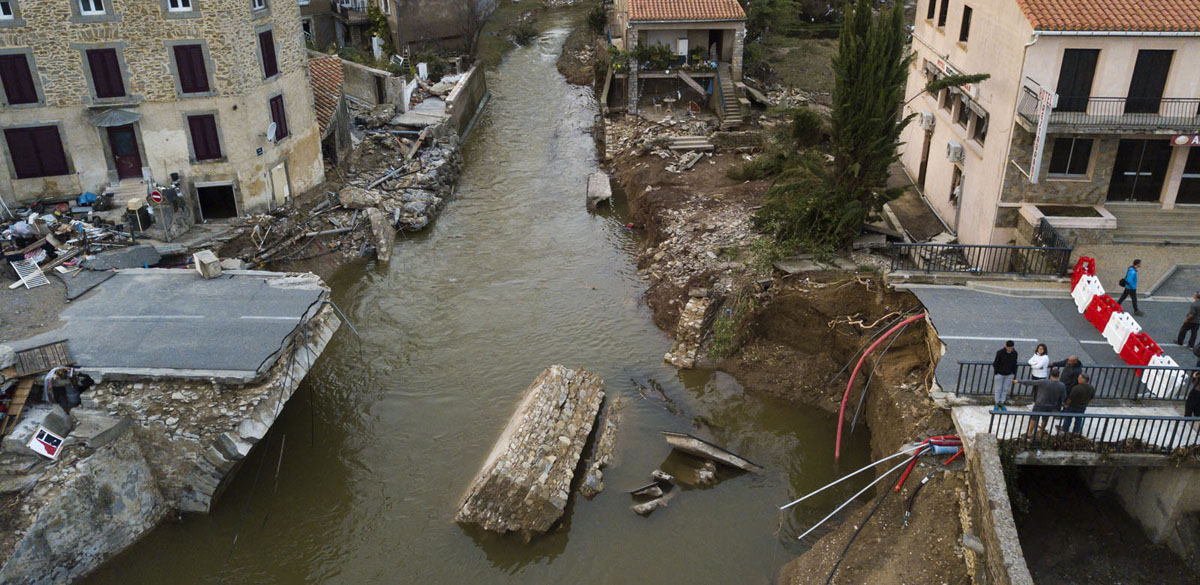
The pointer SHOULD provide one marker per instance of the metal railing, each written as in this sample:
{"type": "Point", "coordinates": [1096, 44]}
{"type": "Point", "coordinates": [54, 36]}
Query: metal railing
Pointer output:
{"type": "Point", "coordinates": [1115, 111]}
{"type": "Point", "coordinates": [351, 9]}
{"type": "Point", "coordinates": [976, 259]}
{"type": "Point", "coordinates": [1097, 433]}
{"type": "Point", "coordinates": [1112, 382]}
{"type": "Point", "coordinates": [1047, 237]}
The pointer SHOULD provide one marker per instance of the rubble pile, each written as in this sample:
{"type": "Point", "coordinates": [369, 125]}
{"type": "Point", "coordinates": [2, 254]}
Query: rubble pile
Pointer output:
{"type": "Point", "coordinates": [788, 97]}
{"type": "Point", "coordinates": [636, 136]}
{"type": "Point", "coordinates": [699, 240]}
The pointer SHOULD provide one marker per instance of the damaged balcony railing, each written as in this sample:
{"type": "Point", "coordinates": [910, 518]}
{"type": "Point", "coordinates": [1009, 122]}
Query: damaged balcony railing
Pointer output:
{"type": "Point", "coordinates": [1114, 382]}
{"type": "Point", "coordinates": [977, 259]}
{"type": "Point", "coordinates": [1098, 433]}
{"type": "Point", "coordinates": [1116, 112]}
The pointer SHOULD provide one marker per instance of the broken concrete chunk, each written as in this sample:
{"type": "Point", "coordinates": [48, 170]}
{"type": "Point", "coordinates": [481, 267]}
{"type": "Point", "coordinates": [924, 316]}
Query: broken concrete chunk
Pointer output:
{"type": "Point", "coordinates": [53, 417]}
{"type": "Point", "coordinates": [233, 264]}
{"type": "Point", "coordinates": [382, 233]}
{"type": "Point", "coordinates": [358, 198]}
{"type": "Point", "coordinates": [662, 476]}
{"type": "Point", "coordinates": [96, 428]}
{"type": "Point", "coordinates": [207, 264]}
{"type": "Point", "coordinates": [646, 507]}
{"type": "Point", "coordinates": [517, 493]}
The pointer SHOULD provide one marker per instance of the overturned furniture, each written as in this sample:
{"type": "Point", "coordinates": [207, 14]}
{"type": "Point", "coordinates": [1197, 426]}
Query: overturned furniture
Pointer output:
{"type": "Point", "coordinates": [525, 483]}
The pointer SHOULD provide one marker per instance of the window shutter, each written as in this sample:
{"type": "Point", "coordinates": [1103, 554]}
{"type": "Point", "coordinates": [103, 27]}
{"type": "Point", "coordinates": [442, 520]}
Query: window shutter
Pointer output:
{"type": "Point", "coordinates": [189, 63]}
{"type": "Point", "coordinates": [279, 116]}
{"type": "Point", "coordinates": [205, 142]}
{"type": "Point", "coordinates": [36, 152]}
{"type": "Point", "coordinates": [106, 73]}
{"type": "Point", "coordinates": [266, 45]}
{"type": "Point", "coordinates": [17, 80]}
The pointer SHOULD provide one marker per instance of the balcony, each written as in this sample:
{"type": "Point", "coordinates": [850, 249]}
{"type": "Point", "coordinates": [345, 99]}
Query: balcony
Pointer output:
{"type": "Point", "coordinates": [1113, 115]}
{"type": "Point", "coordinates": [350, 11]}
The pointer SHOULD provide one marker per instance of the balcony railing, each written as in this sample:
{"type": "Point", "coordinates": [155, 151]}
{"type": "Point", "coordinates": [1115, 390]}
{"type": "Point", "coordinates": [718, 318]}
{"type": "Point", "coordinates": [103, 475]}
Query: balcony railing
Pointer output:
{"type": "Point", "coordinates": [1116, 112]}
{"type": "Point", "coordinates": [973, 259]}
{"type": "Point", "coordinates": [351, 10]}
{"type": "Point", "coordinates": [1097, 433]}
{"type": "Point", "coordinates": [1113, 382]}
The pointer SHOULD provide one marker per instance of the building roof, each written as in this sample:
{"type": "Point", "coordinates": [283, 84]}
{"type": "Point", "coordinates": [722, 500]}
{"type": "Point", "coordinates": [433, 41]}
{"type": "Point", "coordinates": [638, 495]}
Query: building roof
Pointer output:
{"type": "Point", "coordinates": [1113, 15]}
{"type": "Point", "coordinates": [326, 76]}
{"type": "Point", "coordinates": [687, 10]}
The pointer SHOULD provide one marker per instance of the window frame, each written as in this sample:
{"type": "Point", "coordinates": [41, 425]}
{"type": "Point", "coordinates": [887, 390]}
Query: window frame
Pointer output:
{"type": "Point", "coordinates": [106, 14]}
{"type": "Point", "coordinates": [180, 7]}
{"type": "Point", "coordinates": [93, 11]}
{"type": "Point", "coordinates": [978, 121]}
{"type": "Point", "coordinates": [943, 14]}
{"type": "Point", "coordinates": [1068, 175]}
{"type": "Point", "coordinates": [931, 10]}
{"type": "Point", "coordinates": [68, 165]}
{"type": "Point", "coordinates": [176, 73]}
{"type": "Point", "coordinates": [258, 5]}
{"type": "Point", "coordinates": [262, 61]}
{"type": "Point", "coordinates": [91, 73]}
{"type": "Point", "coordinates": [964, 28]}
{"type": "Point", "coordinates": [35, 79]}
{"type": "Point", "coordinates": [283, 110]}
{"type": "Point", "coordinates": [216, 120]}
{"type": "Point", "coordinates": [961, 109]}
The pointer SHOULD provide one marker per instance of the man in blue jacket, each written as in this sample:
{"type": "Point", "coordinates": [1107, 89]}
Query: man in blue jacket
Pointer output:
{"type": "Point", "coordinates": [1130, 284]}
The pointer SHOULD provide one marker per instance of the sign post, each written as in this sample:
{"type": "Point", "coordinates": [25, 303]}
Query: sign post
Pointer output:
{"type": "Point", "coordinates": [1046, 102]}
{"type": "Point", "coordinates": [156, 198]}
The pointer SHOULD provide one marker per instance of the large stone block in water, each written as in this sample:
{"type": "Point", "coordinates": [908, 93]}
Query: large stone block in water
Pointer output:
{"type": "Point", "coordinates": [526, 481]}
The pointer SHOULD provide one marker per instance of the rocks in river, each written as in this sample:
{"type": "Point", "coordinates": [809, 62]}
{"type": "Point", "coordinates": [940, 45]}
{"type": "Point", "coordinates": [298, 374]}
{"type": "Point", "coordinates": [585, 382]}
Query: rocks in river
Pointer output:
{"type": "Point", "coordinates": [601, 457]}
{"type": "Point", "coordinates": [525, 483]}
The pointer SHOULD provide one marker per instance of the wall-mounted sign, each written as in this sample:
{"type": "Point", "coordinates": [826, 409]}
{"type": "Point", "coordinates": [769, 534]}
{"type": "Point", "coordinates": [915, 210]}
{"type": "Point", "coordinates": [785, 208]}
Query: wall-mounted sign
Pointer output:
{"type": "Point", "coordinates": [1186, 140]}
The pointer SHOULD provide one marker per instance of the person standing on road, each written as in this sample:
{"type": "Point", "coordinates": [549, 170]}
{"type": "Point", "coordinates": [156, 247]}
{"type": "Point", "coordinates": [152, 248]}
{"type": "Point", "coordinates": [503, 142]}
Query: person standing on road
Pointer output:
{"type": "Point", "coordinates": [1048, 396]}
{"type": "Point", "coordinates": [1039, 363]}
{"type": "Point", "coordinates": [1005, 369]}
{"type": "Point", "coordinates": [1077, 402]}
{"type": "Point", "coordinates": [1071, 369]}
{"type": "Point", "coordinates": [1191, 322]}
{"type": "Point", "coordinates": [1192, 406]}
{"type": "Point", "coordinates": [1130, 284]}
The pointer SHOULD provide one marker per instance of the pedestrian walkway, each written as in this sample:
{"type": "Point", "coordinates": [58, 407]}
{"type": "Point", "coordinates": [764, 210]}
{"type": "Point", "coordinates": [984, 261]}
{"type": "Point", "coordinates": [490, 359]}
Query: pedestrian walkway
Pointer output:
{"type": "Point", "coordinates": [973, 324]}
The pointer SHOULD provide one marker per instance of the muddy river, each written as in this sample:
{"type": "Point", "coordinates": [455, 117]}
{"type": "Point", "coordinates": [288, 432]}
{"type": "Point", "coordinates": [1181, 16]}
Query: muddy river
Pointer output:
{"type": "Point", "coordinates": [359, 480]}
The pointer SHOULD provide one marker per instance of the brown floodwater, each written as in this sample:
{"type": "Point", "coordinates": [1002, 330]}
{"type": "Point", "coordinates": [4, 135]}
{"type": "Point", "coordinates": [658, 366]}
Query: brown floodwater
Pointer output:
{"type": "Point", "coordinates": [359, 479]}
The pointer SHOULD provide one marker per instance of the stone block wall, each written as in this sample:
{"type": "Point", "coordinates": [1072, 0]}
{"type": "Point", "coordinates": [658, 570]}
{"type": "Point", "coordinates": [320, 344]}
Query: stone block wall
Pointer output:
{"type": "Point", "coordinates": [1093, 191]}
{"type": "Point", "coordinates": [991, 519]}
{"type": "Point", "coordinates": [463, 102]}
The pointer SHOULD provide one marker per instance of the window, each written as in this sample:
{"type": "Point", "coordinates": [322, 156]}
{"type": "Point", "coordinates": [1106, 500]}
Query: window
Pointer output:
{"type": "Point", "coordinates": [91, 7]}
{"type": "Point", "coordinates": [206, 144]}
{"type": "Point", "coordinates": [266, 46]}
{"type": "Point", "coordinates": [279, 117]}
{"type": "Point", "coordinates": [179, 5]}
{"type": "Point", "coordinates": [981, 127]}
{"type": "Point", "coordinates": [385, 6]}
{"type": "Point", "coordinates": [306, 28]}
{"type": "Point", "coordinates": [6, 10]}
{"type": "Point", "coordinates": [964, 112]}
{"type": "Point", "coordinates": [17, 80]}
{"type": "Point", "coordinates": [943, 12]}
{"type": "Point", "coordinates": [1071, 157]}
{"type": "Point", "coordinates": [36, 152]}
{"type": "Point", "coordinates": [946, 99]}
{"type": "Point", "coordinates": [258, 4]}
{"type": "Point", "coordinates": [106, 73]}
{"type": "Point", "coordinates": [931, 10]}
{"type": "Point", "coordinates": [965, 31]}
{"type": "Point", "coordinates": [191, 69]}
{"type": "Point", "coordinates": [956, 186]}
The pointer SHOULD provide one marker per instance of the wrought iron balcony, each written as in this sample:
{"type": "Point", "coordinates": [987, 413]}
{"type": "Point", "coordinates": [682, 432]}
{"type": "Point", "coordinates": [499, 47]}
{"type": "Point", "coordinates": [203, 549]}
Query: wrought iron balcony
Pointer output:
{"type": "Point", "coordinates": [1110, 115]}
{"type": "Point", "coordinates": [351, 11]}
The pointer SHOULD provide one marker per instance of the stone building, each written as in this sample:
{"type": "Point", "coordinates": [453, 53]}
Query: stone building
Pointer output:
{"type": "Point", "coordinates": [100, 93]}
{"type": "Point", "coordinates": [318, 23]}
{"type": "Point", "coordinates": [1089, 119]}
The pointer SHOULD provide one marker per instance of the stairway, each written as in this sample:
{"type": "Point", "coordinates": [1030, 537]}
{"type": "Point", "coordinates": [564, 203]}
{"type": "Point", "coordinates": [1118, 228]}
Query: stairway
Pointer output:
{"type": "Point", "coordinates": [731, 116]}
{"type": "Point", "coordinates": [690, 143]}
{"type": "Point", "coordinates": [1149, 224]}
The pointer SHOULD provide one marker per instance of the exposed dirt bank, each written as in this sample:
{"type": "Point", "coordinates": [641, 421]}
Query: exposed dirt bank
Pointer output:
{"type": "Point", "coordinates": [580, 54]}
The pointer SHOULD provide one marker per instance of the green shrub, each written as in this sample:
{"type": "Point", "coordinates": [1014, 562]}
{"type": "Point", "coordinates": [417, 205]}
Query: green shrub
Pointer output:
{"type": "Point", "coordinates": [524, 33]}
{"type": "Point", "coordinates": [597, 19]}
{"type": "Point", "coordinates": [808, 127]}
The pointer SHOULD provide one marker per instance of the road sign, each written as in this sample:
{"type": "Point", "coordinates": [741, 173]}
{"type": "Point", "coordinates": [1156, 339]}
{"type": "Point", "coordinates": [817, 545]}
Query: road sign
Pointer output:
{"type": "Point", "coordinates": [156, 197]}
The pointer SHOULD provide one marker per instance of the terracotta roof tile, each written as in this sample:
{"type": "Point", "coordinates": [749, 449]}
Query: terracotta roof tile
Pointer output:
{"type": "Point", "coordinates": [1113, 15]}
{"type": "Point", "coordinates": [326, 76]}
{"type": "Point", "coordinates": [655, 10]}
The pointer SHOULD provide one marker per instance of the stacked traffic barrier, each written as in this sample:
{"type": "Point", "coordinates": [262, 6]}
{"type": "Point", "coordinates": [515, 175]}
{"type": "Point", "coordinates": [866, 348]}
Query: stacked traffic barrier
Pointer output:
{"type": "Point", "coordinates": [1121, 331]}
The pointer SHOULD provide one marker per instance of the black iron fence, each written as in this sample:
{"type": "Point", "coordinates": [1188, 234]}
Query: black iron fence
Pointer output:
{"type": "Point", "coordinates": [1113, 382]}
{"type": "Point", "coordinates": [975, 259]}
{"type": "Point", "coordinates": [1115, 111]}
{"type": "Point", "coordinates": [1097, 433]}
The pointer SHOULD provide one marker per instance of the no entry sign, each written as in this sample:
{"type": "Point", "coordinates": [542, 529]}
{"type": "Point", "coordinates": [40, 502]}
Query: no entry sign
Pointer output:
{"type": "Point", "coordinates": [156, 197]}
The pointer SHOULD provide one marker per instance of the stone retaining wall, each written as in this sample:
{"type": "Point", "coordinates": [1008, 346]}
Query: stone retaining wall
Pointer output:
{"type": "Point", "coordinates": [991, 519]}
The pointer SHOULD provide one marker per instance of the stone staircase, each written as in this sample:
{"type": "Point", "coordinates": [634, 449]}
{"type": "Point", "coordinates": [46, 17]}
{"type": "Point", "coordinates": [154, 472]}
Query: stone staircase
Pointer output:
{"type": "Point", "coordinates": [731, 116]}
{"type": "Point", "coordinates": [690, 143]}
{"type": "Point", "coordinates": [1148, 224]}
{"type": "Point", "coordinates": [126, 190]}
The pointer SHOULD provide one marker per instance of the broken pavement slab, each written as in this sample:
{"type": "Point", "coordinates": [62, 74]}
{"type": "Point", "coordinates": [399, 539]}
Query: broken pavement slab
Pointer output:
{"type": "Point", "coordinates": [525, 483]}
{"type": "Point", "coordinates": [173, 323]}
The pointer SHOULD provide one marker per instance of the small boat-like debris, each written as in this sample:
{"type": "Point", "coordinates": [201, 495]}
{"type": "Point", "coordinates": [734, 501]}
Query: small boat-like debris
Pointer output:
{"type": "Point", "coordinates": [653, 490]}
{"type": "Point", "coordinates": [701, 448]}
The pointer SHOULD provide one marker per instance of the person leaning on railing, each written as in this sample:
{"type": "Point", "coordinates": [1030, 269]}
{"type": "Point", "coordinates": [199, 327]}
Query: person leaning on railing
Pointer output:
{"type": "Point", "coordinates": [1048, 396]}
{"type": "Point", "coordinates": [1077, 402]}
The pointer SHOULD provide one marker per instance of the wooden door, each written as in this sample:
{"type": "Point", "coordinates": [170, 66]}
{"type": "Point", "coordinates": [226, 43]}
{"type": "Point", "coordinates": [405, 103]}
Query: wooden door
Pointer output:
{"type": "Point", "coordinates": [123, 143]}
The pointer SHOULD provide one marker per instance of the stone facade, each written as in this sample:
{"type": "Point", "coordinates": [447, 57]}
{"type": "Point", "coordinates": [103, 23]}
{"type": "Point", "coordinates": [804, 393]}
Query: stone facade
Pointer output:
{"type": "Point", "coordinates": [1089, 190]}
{"type": "Point", "coordinates": [144, 32]}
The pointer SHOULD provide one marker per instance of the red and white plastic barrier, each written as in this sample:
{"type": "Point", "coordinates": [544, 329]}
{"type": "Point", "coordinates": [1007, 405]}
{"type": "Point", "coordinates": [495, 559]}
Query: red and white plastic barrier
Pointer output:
{"type": "Point", "coordinates": [1100, 310]}
{"type": "Point", "coordinates": [1085, 266]}
{"type": "Point", "coordinates": [1087, 287]}
{"type": "Point", "coordinates": [1120, 326]}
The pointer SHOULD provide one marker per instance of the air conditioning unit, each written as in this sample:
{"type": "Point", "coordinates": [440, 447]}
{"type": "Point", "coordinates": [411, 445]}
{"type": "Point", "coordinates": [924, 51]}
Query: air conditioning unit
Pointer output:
{"type": "Point", "coordinates": [954, 151]}
{"type": "Point", "coordinates": [927, 120]}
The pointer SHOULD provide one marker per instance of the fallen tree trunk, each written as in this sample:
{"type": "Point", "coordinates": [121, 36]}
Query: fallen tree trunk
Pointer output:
{"type": "Point", "coordinates": [525, 483]}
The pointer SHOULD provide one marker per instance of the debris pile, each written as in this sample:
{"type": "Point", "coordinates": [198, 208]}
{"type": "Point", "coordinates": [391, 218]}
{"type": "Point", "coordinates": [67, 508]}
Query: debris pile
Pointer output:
{"type": "Point", "coordinates": [637, 136]}
{"type": "Point", "coordinates": [698, 241]}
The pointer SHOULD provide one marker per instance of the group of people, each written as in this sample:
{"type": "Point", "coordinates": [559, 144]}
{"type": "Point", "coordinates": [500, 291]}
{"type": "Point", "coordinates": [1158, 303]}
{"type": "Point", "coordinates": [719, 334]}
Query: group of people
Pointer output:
{"type": "Point", "coordinates": [1058, 386]}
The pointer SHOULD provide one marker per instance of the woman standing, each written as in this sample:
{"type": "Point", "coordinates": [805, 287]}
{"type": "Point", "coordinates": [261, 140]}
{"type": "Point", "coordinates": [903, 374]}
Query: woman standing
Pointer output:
{"type": "Point", "coordinates": [1039, 364]}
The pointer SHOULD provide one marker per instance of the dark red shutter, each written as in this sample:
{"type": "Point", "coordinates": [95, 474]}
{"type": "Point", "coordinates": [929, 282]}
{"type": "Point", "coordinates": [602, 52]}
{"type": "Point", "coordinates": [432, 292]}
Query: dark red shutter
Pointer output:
{"type": "Point", "coordinates": [36, 152]}
{"type": "Point", "coordinates": [266, 44]}
{"type": "Point", "coordinates": [189, 63]}
{"type": "Point", "coordinates": [106, 73]}
{"type": "Point", "coordinates": [17, 80]}
{"type": "Point", "coordinates": [205, 142]}
{"type": "Point", "coordinates": [279, 116]}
